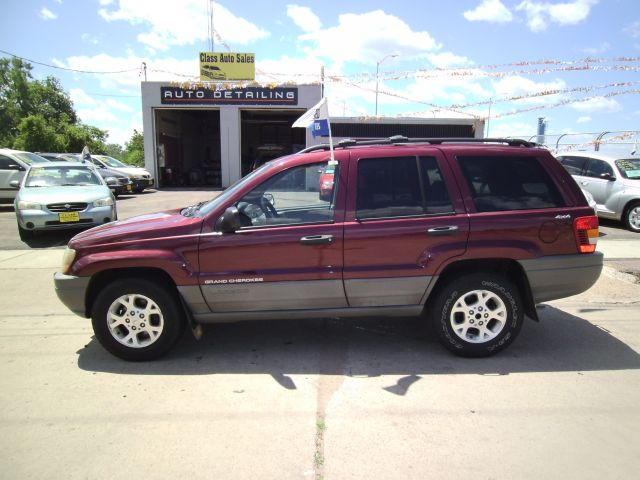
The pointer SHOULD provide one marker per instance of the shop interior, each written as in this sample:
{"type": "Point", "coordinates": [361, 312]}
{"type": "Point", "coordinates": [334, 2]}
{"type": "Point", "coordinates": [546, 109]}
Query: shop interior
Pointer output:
{"type": "Point", "coordinates": [267, 134]}
{"type": "Point", "coordinates": [188, 143]}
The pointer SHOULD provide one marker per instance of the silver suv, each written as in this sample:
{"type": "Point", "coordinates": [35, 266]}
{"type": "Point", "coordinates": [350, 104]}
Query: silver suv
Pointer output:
{"type": "Point", "coordinates": [613, 180]}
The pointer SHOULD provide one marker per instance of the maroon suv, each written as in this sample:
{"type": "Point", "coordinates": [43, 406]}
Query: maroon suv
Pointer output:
{"type": "Point", "coordinates": [471, 233]}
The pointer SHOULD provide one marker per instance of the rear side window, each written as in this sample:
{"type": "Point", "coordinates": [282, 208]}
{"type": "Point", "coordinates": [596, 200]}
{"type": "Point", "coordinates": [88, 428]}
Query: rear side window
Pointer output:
{"type": "Point", "coordinates": [400, 187]}
{"type": "Point", "coordinates": [509, 183]}
{"type": "Point", "coordinates": [573, 165]}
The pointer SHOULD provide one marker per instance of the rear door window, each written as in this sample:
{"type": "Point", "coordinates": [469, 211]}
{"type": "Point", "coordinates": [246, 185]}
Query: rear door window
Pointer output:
{"type": "Point", "coordinates": [391, 187]}
{"type": "Point", "coordinates": [500, 183]}
{"type": "Point", "coordinates": [595, 168]}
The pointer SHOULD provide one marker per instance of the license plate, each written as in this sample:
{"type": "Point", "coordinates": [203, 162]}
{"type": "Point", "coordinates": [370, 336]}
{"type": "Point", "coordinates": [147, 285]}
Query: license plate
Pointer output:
{"type": "Point", "coordinates": [128, 188]}
{"type": "Point", "coordinates": [66, 217]}
{"type": "Point", "coordinates": [150, 182]}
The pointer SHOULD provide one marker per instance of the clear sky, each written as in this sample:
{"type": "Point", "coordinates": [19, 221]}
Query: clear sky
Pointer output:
{"type": "Point", "coordinates": [575, 62]}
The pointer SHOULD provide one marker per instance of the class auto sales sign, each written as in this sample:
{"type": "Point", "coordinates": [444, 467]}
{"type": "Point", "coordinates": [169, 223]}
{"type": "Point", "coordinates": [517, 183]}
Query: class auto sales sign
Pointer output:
{"type": "Point", "coordinates": [226, 66]}
{"type": "Point", "coordinates": [232, 96]}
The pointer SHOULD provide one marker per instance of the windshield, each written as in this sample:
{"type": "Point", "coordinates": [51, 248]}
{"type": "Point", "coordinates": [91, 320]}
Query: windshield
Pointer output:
{"type": "Point", "coordinates": [112, 162]}
{"type": "Point", "coordinates": [629, 167]}
{"type": "Point", "coordinates": [207, 207]}
{"type": "Point", "coordinates": [61, 176]}
{"type": "Point", "coordinates": [30, 158]}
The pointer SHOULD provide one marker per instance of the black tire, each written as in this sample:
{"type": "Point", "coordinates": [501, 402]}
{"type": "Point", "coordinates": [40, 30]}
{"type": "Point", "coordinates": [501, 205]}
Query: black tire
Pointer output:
{"type": "Point", "coordinates": [477, 326]}
{"type": "Point", "coordinates": [166, 322]}
{"type": "Point", "coordinates": [24, 234]}
{"type": "Point", "coordinates": [631, 217]}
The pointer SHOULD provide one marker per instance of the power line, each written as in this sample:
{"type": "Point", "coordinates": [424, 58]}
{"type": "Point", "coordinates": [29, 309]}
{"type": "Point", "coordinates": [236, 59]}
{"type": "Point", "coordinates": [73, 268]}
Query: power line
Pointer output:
{"type": "Point", "coordinates": [67, 69]}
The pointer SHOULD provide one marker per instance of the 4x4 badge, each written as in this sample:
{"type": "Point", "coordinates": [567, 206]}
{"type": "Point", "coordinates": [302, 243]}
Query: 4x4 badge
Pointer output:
{"type": "Point", "coordinates": [562, 217]}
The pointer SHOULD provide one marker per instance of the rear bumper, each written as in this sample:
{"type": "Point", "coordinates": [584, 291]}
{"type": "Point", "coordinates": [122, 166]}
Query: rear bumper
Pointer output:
{"type": "Point", "coordinates": [561, 276]}
{"type": "Point", "coordinates": [72, 292]}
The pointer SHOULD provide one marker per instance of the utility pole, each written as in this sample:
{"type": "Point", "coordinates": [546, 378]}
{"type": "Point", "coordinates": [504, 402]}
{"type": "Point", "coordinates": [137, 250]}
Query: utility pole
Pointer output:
{"type": "Point", "coordinates": [393, 55]}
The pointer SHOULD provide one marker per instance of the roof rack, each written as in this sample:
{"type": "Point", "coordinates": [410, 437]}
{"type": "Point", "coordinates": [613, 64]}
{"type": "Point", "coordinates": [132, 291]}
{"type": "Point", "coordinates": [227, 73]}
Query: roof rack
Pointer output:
{"type": "Point", "coordinates": [400, 140]}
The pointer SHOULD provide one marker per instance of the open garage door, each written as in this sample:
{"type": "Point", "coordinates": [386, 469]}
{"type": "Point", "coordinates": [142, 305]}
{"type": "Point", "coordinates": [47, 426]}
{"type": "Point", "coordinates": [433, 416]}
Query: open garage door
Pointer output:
{"type": "Point", "coordinates": [267, 134]}
{"type": "Point", "coordinates": [188, 147]}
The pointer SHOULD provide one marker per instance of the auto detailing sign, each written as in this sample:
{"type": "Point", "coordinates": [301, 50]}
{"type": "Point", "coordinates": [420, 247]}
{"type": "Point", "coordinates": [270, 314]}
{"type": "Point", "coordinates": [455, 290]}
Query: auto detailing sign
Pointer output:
{"type": "Point", "coordinates": [225, 66]}
{"type": "Point", "coordinates": [232, 96]}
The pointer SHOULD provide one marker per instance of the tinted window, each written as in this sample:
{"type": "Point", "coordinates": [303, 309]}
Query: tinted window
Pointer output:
{"type": "Point", "coordinates": [595, 168]}
{"type": "Point", "coordinates": [5, 162]}
{"type": "Point", "coordinates": [299, 195]}
{"type": "Point", "coordinates": [509, 183]}
{"type": "Point", "coordinates": [437, 198]}
{"type": "Point", "coordinates": [573, 165]}
{"type": "Point", "coordinates": [400, 187]}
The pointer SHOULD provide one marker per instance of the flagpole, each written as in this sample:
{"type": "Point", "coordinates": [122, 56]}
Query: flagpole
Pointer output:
{"type": "Point", "coordinates": [333, 160]}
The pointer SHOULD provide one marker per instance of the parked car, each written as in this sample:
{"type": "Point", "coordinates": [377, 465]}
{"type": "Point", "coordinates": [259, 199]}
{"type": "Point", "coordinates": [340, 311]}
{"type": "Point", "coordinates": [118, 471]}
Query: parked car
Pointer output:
{"type": "Point", "coordinates": [613, 180]}
{"type": "Point", "coordinates": [62, 195]}
{"type": "Point", "coordinates": [119, 183]}
{"type": "Point", "coordinates": [13, 165]}
{"type": "Point", "coordinates": [140, 177]}
{"type": "Point", "coordinates": [471, 234]}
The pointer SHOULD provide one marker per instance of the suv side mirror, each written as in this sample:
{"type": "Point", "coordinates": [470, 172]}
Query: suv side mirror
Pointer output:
{"type": "Point", "coordinates": [14, 184]}
{"type": "Point", "coordinates": [607, 176]}
{"type": "Point", "coordinates": [229, 222]}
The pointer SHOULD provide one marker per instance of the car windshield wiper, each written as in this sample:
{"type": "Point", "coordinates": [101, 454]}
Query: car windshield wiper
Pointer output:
{"type": "Point", "coordinates": [190, 211]}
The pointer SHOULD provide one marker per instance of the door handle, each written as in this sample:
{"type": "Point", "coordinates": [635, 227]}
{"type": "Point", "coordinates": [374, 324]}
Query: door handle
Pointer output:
{"type": "Point", "coordinates": [316, 239]}
{"type": "Point", "coordinates": [438, 231]}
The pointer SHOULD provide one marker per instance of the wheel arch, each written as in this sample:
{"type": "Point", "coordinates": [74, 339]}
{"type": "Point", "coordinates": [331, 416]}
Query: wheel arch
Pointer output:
{"type": "Point", "coordinates": [101, 279]}
{"type": "Point", "coordinates": [508, 268]}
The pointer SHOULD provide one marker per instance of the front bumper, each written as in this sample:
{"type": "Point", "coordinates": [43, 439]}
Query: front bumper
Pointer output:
{"type": "Point", "coordinates": [142, 183]}
{"type": "Point", "coordinates": [561, 276]}
{"type": "Point", "coordinates": [45, 220]}
{"type": "Point", "coordinates": [72, 291]}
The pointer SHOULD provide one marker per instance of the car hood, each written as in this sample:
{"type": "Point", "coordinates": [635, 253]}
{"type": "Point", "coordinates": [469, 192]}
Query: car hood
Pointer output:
{"type": "Point", "coordinates": [133, 171]}
{"type": "Point", "coordinates": [142, 227]}
{"type": "Point", "coordinates": [47, 195]}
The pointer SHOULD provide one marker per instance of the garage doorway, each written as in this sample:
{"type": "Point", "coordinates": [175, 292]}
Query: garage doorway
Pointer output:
{"type": "Point", "coordinates": [188, 147]}
{"type": "Point", "coordinates": [267, 134]}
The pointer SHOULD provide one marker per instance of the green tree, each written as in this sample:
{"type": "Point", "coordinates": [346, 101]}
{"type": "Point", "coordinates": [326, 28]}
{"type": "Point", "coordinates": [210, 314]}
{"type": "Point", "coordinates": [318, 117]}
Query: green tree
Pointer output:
{"type": "Point", "coordinates": [134, 149]}
{"type": "Point", "coordinates": [14, 97]}
{"type": "Point", "coordinates": [114, 150]}
{"type": "Point", "coordinates": [79, 135]}
{"type": "Point", "coordinates": [36, 135]}
{"type": "Point", "coordinates": [38, 115]}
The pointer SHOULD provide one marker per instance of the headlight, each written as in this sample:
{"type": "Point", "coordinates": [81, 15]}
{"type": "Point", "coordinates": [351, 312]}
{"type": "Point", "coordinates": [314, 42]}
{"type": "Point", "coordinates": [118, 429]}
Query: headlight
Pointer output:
{"type": "Point", "coordinates": [103, 202]}
{"type": "Point", "coordinates": [111, 180]}
{"type": "Point", "coordinates": [67, 259]}
{"type": "Point", "coordinates": [24, 205]}
{"type": "Point", "coordinates": [135, 177]}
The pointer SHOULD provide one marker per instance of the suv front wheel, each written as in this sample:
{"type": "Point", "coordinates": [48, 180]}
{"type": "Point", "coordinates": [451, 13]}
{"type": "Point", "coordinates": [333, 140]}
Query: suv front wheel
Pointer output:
{"type": "Point", "coordinates": [136, 319]}
{"type": "Point", "coordinates": [478, 315]}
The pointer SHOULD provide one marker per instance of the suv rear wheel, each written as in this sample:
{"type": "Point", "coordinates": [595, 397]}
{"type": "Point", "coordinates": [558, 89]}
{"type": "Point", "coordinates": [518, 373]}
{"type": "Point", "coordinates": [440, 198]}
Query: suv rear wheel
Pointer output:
{"type": "Point", "coordinates": [478, 315]}
{"type": "Point", "coordinates": [631, 217]}
{"type": "Point", "coordinates": [136, 319]}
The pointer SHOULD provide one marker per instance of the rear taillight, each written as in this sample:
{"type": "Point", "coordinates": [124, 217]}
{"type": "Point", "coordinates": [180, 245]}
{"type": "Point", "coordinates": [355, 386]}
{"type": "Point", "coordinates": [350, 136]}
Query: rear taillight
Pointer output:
{"type": "Point", "coordinates": [586, 231]}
